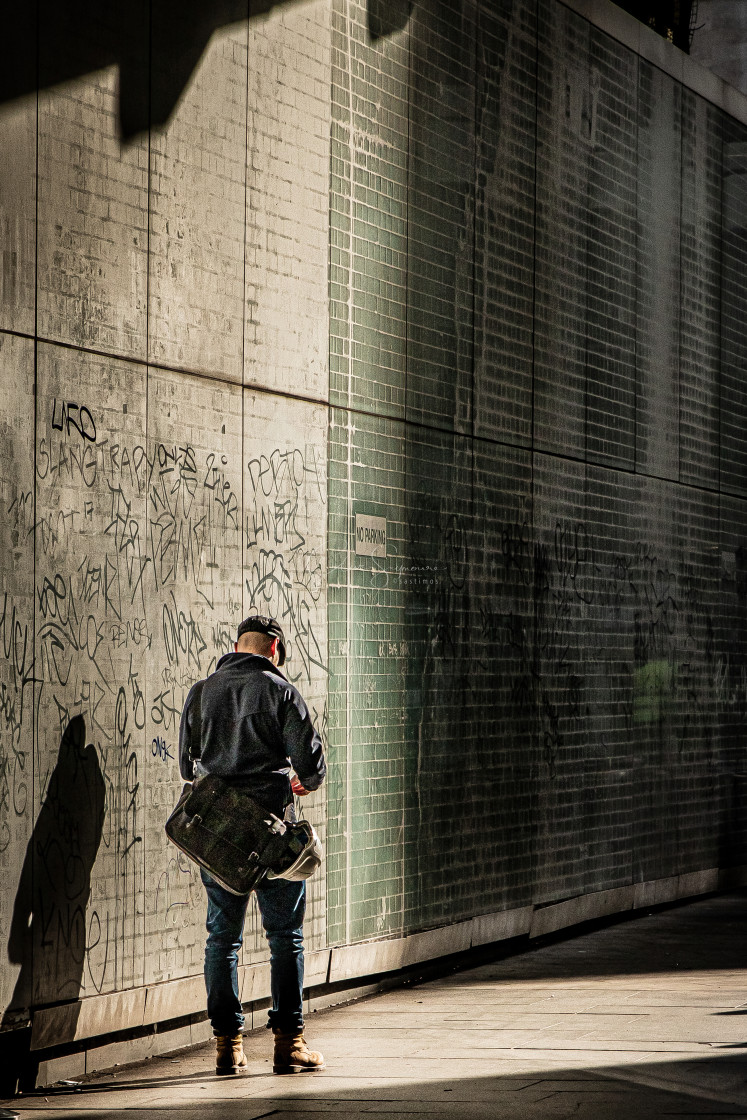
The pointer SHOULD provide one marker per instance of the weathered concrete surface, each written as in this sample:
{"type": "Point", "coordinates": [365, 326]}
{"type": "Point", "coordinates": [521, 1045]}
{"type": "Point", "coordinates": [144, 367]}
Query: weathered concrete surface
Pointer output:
{"type": "Point", "coordinates": [720, 42]}
{"type": "Point", "coordinates": [643, 1018]}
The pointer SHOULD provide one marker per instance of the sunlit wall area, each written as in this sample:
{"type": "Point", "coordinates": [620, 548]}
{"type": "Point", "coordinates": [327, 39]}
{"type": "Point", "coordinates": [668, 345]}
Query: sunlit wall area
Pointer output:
{"type": "Point", "coordinates": [163, 473]}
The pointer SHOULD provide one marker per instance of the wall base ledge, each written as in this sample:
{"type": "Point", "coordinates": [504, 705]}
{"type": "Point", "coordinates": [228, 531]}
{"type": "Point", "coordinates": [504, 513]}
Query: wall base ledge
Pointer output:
{"type": "Point", "coordinates": [132, 1026]}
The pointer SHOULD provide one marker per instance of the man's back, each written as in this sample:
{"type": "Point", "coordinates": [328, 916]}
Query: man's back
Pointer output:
{"type": "Point", "coordinates": [253, 721]}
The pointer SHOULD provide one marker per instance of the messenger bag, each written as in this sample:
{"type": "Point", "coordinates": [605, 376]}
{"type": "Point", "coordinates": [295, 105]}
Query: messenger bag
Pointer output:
{"type": "Point", "coordinates": [235, 839]}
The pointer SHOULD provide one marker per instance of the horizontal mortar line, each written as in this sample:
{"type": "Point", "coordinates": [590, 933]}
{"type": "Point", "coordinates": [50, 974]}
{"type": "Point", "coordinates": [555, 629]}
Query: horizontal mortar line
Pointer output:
{"type": "Point", "coordinates": [520, 1015]}
{"type": "Point", "coordinates": [601, 1087]}
{"type": "Point", "coordinates": [287, 1102]}
{"type": "Point", "coordinates": [551, 1035]}
{"type": "Point", "coordinates": [204, 375]}
{"type": "Point", "coordinates": [618, 984]}
{"type": "Point", "coordinates": [488, 1053]}
{"type": "Point", "coordinates": [517, 1032]}
{"type": "Point", "coordinates": [532, 450]}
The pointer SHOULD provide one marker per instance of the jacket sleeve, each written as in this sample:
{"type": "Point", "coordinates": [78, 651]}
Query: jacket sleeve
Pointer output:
{"type": "Point", "coordinates": [186, 768]}
{"type": "Point", "coordinates": [302, 741]}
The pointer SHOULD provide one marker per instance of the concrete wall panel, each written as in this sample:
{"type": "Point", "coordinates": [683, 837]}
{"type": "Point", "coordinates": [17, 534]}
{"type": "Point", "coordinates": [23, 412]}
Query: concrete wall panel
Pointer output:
{"type": "Point", "coordinates": [197, 183]}
{"type": "Point", "coordinates": [18, 215]}
{"type": "Point", "coordinates": [17, 665]}
{"type": "Point", "coordinates": [193, 606]}
{"type": "Point", "coordinates": [89, 763]}
{"type": "Point", "coordinates": [92, 220]}
{"type": "Point", "coordinates": [287, 204]}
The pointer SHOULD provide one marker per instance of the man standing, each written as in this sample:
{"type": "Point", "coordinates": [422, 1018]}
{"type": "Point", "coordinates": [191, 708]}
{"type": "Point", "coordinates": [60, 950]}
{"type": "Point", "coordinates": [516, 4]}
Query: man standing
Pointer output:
{"type": "Point", "coordinates": [255, 727]}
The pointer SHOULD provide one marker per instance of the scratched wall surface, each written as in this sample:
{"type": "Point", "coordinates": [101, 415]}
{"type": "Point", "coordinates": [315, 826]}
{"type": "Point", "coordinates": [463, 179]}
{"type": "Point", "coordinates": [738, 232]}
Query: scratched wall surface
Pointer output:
{"type": "Point", "coordinates": [147, 508]}
{"type": "Point", "coordinates": [196, 219]}
{"type": "Point", "coordinates": [482, 278]}
{"type": "Point", "coordinates": [17, 801]}
{"type": "Point", "coordinates": [92, 209]}
{"type": "Point", "coordinates": [194, 536]}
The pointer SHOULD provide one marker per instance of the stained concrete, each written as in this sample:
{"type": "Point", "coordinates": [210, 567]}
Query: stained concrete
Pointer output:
{"type": "Point", "coordinates": [646, 1017]}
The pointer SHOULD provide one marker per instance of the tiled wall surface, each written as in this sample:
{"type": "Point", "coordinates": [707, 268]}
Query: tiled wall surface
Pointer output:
{"type": "Point", "coordinates": [537, 692]}
{"type": "Point", "coordinates": [482, 278]}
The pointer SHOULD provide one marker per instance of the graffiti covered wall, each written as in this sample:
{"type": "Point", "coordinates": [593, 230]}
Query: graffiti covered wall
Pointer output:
{"type": "Point", "coordinates": [151, 496]}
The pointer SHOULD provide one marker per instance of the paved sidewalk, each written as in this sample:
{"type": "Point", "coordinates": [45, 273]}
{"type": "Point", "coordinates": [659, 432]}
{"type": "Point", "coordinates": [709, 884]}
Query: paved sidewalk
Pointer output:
{"type": "Point", "coordinates": [644, 1018]}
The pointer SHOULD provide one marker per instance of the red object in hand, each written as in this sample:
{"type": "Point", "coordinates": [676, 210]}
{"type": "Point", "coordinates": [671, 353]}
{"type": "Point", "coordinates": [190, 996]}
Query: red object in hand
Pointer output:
{"type": "Point", "coordinates": [297, 788]}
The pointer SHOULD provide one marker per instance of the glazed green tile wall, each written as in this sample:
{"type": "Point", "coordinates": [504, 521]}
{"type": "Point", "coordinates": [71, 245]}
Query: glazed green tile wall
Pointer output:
{"type": "Point", "coordinates": [368, 214]}
{"type": "Point", "coordinates": [441, 213]}
{"type": "Point", "coordinates": [733, 410]}
{"type": "Point", "coordinates": [537, 291]}
{"type": "Point", "coordinates": [700, 259]}
{"type": "Point", "coordinates": [368, 661]}
{"type": "Point", "coordinates": [472, 761]}
{"type": "Point", "coordinates": [505, 155]}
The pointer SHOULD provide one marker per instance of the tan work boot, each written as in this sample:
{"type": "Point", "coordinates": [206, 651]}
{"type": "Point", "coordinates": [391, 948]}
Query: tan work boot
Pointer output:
{"type": "Point", "coordinates": [292, 1055]}
{"type": "Point", "coordinates": [230, 1056]}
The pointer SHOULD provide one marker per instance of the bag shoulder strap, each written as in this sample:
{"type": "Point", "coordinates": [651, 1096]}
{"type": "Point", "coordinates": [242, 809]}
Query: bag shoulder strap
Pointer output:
{"type": "Point", "coordinates": [195, 741]}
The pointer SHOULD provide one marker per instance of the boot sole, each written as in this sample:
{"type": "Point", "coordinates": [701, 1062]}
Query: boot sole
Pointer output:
{"type": "Point", "coordinates": [297, 1069]}
{"type": "Point", "coordinates": [231, 1070]}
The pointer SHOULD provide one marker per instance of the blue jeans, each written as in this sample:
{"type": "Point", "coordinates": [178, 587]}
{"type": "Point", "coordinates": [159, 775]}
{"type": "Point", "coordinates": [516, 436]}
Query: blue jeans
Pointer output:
{"type": "Point", "coordinates": [282, 905]}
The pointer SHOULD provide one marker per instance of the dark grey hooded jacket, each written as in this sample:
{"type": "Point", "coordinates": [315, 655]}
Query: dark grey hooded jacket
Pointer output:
{"type": "Point", "coordinates": [255, 726]}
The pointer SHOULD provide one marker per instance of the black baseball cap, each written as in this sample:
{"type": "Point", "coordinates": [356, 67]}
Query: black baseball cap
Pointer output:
{"type": "Point", "coordinates": [262, 624]}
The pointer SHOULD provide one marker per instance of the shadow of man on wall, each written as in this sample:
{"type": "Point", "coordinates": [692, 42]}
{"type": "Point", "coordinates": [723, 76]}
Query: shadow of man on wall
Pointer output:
{"type": "Point", "coordinates": [48, 928]}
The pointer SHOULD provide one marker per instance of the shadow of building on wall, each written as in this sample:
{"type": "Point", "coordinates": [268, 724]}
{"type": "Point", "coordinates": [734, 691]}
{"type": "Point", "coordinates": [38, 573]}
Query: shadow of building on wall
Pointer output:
{"type": "Point", "coordinates": [156, 45]}
{"type": "Point", "coordinates": [48, 928]}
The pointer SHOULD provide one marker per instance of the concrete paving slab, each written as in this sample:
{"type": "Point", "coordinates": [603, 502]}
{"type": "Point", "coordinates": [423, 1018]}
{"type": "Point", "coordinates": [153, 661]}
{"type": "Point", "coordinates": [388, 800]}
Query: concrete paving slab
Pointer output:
{"type": "Point", "coordinates": [729, 1000]}
{"type": "Point", "coordinates": [626, 1021]}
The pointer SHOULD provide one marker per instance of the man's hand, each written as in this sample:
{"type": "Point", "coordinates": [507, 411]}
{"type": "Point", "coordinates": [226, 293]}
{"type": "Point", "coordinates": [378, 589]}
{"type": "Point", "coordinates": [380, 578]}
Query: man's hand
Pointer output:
{"type": "Point", "coordinates": [298, 789]}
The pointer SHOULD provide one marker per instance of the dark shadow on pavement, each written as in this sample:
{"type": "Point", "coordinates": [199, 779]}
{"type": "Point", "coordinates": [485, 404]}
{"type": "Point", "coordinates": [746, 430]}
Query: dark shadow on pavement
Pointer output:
{"type": "Point", "coordinates": [677, 939]}
{"type": "Point", "coordinates": [688, 1086]}
{"type": "Point", "coordinates": [76, 1088]}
